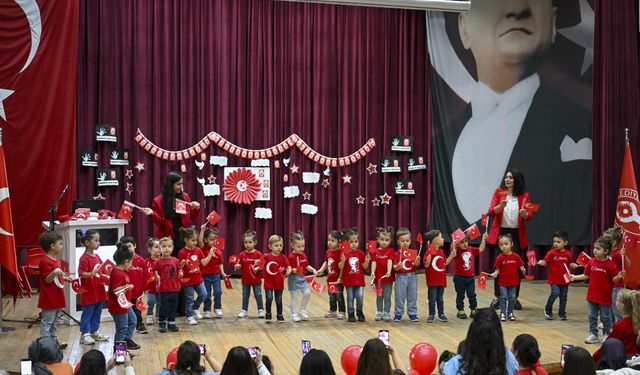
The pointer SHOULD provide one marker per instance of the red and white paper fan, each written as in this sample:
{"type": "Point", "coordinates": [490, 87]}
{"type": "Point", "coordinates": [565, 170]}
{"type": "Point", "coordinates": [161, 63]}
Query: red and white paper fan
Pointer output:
{"type": "Point", "coordinates": [241, 186]}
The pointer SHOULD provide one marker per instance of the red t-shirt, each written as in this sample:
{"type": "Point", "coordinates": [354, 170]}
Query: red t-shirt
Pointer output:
{"type": "Point", "coordinates": [465, 261]}
{"type": "Point", "coordinates": [150, 287]}
{"type": "Point", "coordinates": [51, 294]}
{"type": "Point", "coordinates": [353, 273]}
{"type": "Point", "coordinates": [332, 257]}
{"type": "Point", "coordinates": [138, 275]}
{"type": "Point", "coordinates": [408, 265]}
{"type": "Point", "coordinates": [213, 267]}
{"type": "Point", "coordinates": [247, 261]}
{"type": "Point", "coordinates": [556, 260]}
{"type": "Point", "coordinates": [274, 271]}
{"type": "Point", "coordinates": [118, 279]}
{"type": "Point", "coordinates": [623, 331]}
{"type": "Point", "coordinates": [299, 263]}
{"type": "Point", "coordinates": [616, 257]}
{"type": "Point", "coordinates": [192, 275]}
{"type": "Point", "coordinates": [169, 271]}
{"type": "Point", "coordinates": [436, 273]}
{"type": "Point", "coordinates": [381, 258]}
{"type": "Point", "coordinates": [94, 290]}
{"type": "Point", "coordinates": [600, 284]}
{"type": "Point", "coordinates": [508, 266]}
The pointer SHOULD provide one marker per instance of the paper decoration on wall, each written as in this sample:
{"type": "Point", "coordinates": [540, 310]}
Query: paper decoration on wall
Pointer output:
{"type": "Point", "coordinates": [405, 187]}
{"type": "Point", "coordinates": [372, 168]}
{"type": "Point", "coordinates": [294, 169]}
{"type": "Point", "coordinates": [306, 196]}
{"type": "Point", "coordinates": [183, 168]}
{"type": "Point", "coordinates": [89, 158]}
{"type": "Point", "coordinates": [107, 177]}
{"type": "Point", "coordinates": [199, 164]}
{"type": "Point", "coordinates": [140, 167]}
{"type": "Point", "coordinates": [276, 164]}
{"type": "Point", "coordinates": [129, 188]}
{"type": "Point", "coordinates": [260, 163]}
{"type": "Point", "coordinates": [385, 198]}
{"type": "Point", "coordinates": [263, 213]}
{"type": "Point", "coordinates": [327, 171]}
{"type": "Point", "coordinates": [241, 185]}
{"type": "Point", "coordinates": [220, 161]}
{"type": "Point", "coordinates": [375, 202]}
{"type": "Point", "coordinates": [129, 173]}
{"type": "Point", "coordinates": [203, 157]}
{"type": "Point", "coordinates": [285, 178]}
{"type": "Point", "coordinates": [106, 133]}
{"type": "Point", "coordinates": [309, 209]}
{"type": "Point", "coordinates": [325, 183]}
{"type": "Point", "coordinates": [212, 179]}
{"type": "Point", "coordinates": [280, 148]}
{"type": "Point", "coordinates": [346, 179]}
{"type": "Point", "coordinates": [401, 143]}
{"type": "Point", "coordinates": [416, 164]}
{"type": "Point", "coordinates": [99, 197]}
{"type": "Point", "coordinates": [209, 190]}
{"type": "Point", "coordinates": [360, 200]}
{"type": "Point", "coordinates": [310, 177]}
{"type": "Point", "coordinates": [286, 161]}
{"type": "Point", "coordinates": [291, 191]}
{"type": "Point", "coordinates": [390, 164]}
{"type": "Point", "coordinates": [119, 157]}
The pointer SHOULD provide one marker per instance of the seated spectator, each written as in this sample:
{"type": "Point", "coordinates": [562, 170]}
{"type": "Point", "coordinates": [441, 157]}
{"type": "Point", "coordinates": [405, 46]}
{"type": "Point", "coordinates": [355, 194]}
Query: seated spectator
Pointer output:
{"type": "Point", "coordinates": [316, 362]}
{"type": "Point", "coordinates": [444, 357]}
{"type": "Point", "coordinates": [267, 363]}
{"type": "Point", "coordinates": [239, 362]}
{"type": "Point", "coordinates": [374, 359]}
{"type": "Point", "coordinates": [525, 348]}
{"type": "Point", "coordinates": [93, 362]}
{"type": "Point", "coordinates": [578, 361]}
{"type": "Point", "coordinates": [612, 357]}
{"type": "Point", "coordinates": [46, 357]}
{"type": "Point", "coordinates": [626, 329]}
{"type": "Point", "coordinates": [188, 362]}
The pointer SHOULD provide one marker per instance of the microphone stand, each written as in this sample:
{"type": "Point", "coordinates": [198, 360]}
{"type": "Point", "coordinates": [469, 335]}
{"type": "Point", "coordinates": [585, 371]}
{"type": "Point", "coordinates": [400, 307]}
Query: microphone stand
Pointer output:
{"type": "Point", "coordinates": [54, 208]}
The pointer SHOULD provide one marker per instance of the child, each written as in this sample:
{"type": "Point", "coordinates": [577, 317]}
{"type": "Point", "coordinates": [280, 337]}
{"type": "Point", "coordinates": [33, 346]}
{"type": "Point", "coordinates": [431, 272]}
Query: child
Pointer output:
{"type": "Point", "coordinates": [626, 329]}
{"type": "Point", "coordinates": [151, 288]}
{"type": "Point", "coordinates": [51, 280]}
{"type": "Point", "coordinates": [212, 272]}
{"type": "Point", "coordinates": [297, 281]}
{"type": "Point", "coordinates": [463, 276]}
{"type": "Point", "coordinates": [525, 349]}
{"type": "Point", "coordinates": [382, 272]}
{"type": "Point", "coordinates": [276, 269]}
{"type": "Point", "coordinates": [603, 273]}
{"type": "Point", "coordinates": [138, 275]}
{"type": "Point", "coordinates": [406, 279]}
{"type": "Point", "coordinates": [615, 236]}
{"type": "Point", "coordinates": [507, 265]}
{"type": "Point", "coordinates": [333, 266]}
{"type": "Point", "coordinates": [191, 259]}
{"type": "Point", "coordinates": [167, 271]}
{"type": "Point", "coordinates": [120, 288]}
{"type": "Point", "coordinates": [435, 267]}
{"type": "Point", "coordinates": [91, 300]}
{"type": "Point", "coordinates": [248, 260]}
{"type": "Point", "coordinates": [355, 262]}
{"type": "Point", "coordinates": [557, 259]}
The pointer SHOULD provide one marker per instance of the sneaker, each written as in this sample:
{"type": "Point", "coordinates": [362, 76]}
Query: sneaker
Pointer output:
{"type": "Point", "coordinates": [140, 328]}
{"type": "Point", "coordinates": [397, 318]}
{"type": "Point", "coordinates": [548, 315]}
{"type": "Point", "coordinates": [503, 318]}
{"type": "Point", "coordinates": [330, 314]}
{"type": "Point", "coordinates": [413, 318]}
{"type": "Point", "coordinates": [261, 313]}
{"type": "Point", "coordinates": [517, 305]}
{"type": "Point", "coordinates": [62, 344]}
{"type": "Point", "coordinates": [378, 315]}
{"type": "Point", "coordinates": [461, 314]}
{"type": "Point", "coordinates": [512, 317]}
{"type": "Point", "coordinates": [386, 317]}
{"type": "Point", "coordinates": [340, 315]}
{"type": "Point", "coordinates": [132, 345]}
{"type": "Point", "coordinates": [303, 315]}
{"type": "Point", "coordinates": [173, 327]}
{"type": "Point", "coordinates": [191, 321]}
{"type": "Point", "coordinates": [360, 315]}
{"type": "Point", "coordinates": [473, 313]}
{"type": "Point", "coordinates": [431, 319]}
{"type": "Point", "coordinates": [243, 313]}
{"type": "Point", "coordinates": [280, 318]}
{"type": "Point", "coordinates": [352, 318]}
{"type": "Point", "coordinates": [443, 318]}
{"type": "Point", "coordinates": [218, 313]}
{"type": "Point", "coordinates": [562, 316]}
{"type": "Point", "coordinates": [495, 304]}
{"type": "Point", "coordinates": [207, 315]}
{"type": "Point", "coordinates": [267, 317]}
{"type": "Point", "coordinates": [197, 315]}
{"type": "Point", "coordinates": [99, 337]}
{"type": "Point", "coordinates": [295, 318]}
{"type": "Point", "coordinates": [149, 320]}
{"type": "Point", "coordinates": [592, 339]}
{"type": "Point", "coordinates": [87, 339]}
{"type": "Point", "coordinates": [162, 327]}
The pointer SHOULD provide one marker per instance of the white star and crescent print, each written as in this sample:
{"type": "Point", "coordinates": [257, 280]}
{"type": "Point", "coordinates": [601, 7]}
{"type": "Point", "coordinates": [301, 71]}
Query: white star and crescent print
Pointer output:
{"type": "Point", "coordinates": [4, 195]}
{"type": "Point", "coordinates": [582, 34]}
{"type": "Point", "coordinates": [268, 268]}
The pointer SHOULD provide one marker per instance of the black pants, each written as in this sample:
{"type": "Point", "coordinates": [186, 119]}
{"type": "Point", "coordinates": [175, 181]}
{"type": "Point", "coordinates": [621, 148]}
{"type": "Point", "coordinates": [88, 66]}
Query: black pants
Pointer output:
{"type": "Point", "coordinates": [496, 251]}
{"type": "Point", "coordinates": [168, 306]}
{"type": "Point", "coordinates": [278, 296]}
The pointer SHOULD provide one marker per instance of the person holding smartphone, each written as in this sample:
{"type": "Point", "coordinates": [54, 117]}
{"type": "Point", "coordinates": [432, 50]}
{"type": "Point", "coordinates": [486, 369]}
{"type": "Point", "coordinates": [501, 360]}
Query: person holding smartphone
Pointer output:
{"type": "Point", "coordinates": [94, 362]}
{"type": "Point", "coordinates": [243, 361]}
{"type": "Point", "coordinates": [188, 361]}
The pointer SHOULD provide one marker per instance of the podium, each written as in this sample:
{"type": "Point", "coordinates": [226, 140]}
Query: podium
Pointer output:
{"type": "Point", "coordinates": [71, 231]}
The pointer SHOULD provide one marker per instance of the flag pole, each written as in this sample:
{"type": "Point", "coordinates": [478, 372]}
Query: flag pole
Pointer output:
{"type": "Point", "coordinates": [626, 136]}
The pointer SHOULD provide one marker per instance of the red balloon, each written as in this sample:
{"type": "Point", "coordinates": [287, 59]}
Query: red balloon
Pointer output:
{"type": "Point", "coordinates": [423, 358]}
{"type": "Point", "coordinates": [172, 359]}
{"type": "Point", "coordinates": [413, 372]}
{"type": "Point", "coordinates": [349, 359]}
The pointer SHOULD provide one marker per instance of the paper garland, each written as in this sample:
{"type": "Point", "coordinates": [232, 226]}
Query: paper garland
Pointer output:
{"type": "Point", "coordinates": [220, 141]}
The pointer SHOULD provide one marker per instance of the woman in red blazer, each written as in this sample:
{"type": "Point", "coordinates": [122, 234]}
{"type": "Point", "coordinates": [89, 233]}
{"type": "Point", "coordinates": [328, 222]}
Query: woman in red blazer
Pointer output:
{"type": "Point", "coordinates": [509, 216]}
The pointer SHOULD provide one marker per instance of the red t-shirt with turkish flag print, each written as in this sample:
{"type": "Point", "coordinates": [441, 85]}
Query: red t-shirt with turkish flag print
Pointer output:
{"type": "Point", "coordinates": [465, 261]}
{"type": "Point", "coordinates": [94, 290]}
{"type": "Point", "coordinates": [138, 275]}
{"type": "Point", "coordinates": [151, 286]}
{"type": "Point", "coordinates": [408, 265]}
{"type": "Point", "coordinates": [51, 294]}
{"type": "Point", "coordinates": [436, 273]}
{"type": "Point", "coordinates": [332, 257]}
{"type": "Point", "coordinates": [353, 273]}
{"type": "Point", "coordinates": [118, 279]}
{"type": "Point", "coordinates": [556, 260]}
{"type": "Point", "coordinates": [600, 285]}
{"type": "Point", "coordinates": [275, 267]}
{"type": "Point", "coordinates": [191, 273]}
{"type": "Point", "coordinates": [213, 267]}
{"type": "Point", "coordinates": [381, 258]}
{"type": "Point", "coordinates": [169, 271]}
{"type": "Point", "coordinates": [247, 260]}
{"type": "Point", "coordinates": [508, 266]}
{"type": "Point", "coordinates": [299, 263]}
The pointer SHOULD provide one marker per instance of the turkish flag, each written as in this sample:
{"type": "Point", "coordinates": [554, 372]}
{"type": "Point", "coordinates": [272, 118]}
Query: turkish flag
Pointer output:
{"type": "Point", "coordinates": [502, 192]}
{"type": "Point", "coordinates": [376, 289]}
{"type": "Point", "coordinates": [181, 206]}
{"type": "Point", "coordinates": [333, 288]}
{"type": "Point", "coordinates": [532, 257]}
{"type": "Point", "coordinates": [583, 259]}
{"type": "Point", "coordinates": [628, 217]}
{"type": "Point", "coordinates": [433, 249]}
{"type": "Point", "coordinates": [457, 236]}
{"type": "Point", "coordinates": [213, 217]}
{"type": "Point", "coordinates": [75, 285]}
{"type": "Point", "coordinates": [140, 304]}
{"type": "Point", "coordinates": [372, 247]}
{"type": "Point", "coordinates": [533, 207]}
{"type": "Point", "coordinates": [408, 254]}
{"type": "Point", "coordinates": [482, 280]}
{"type": "Point", "coordinates": [261, 263]}
{"type": "Point", "coordinates": [126, 210]}
{"type": "Point", "coordinates": [567, 275]}
{"type": "Point", "coordinates": [485, 219]}
{"type": "Point", "coordinates": [317, 287]}
{"type": "Point", "coordinates": [233, 259]}
{"type": "Point", "coordinates": [630, 240]}
{"type": "Point", "coordinates": [419, 238]}
{"type": "Point", "coordinates": [218, 242]}
{"type": "Point", "coordinates": [309, 278]}
{"type": "Point", "coordinates": [8, 258]}
{"type": "Point", "coordinates": [122, 300]}
{"type": "Point", "coordinates": [473, 232]}
{"type": "Point", "coordinates": [105, 268]}
{"type": "Point", "coordinates": [345, 247]}
{"type": "Point", "coordinates": [227, 282]}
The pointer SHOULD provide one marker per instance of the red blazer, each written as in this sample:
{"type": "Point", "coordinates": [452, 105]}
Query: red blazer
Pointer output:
{"type": "Point", "coordinates": [164, 226]}
{"type": "Point", "coordinates": [497, 219]}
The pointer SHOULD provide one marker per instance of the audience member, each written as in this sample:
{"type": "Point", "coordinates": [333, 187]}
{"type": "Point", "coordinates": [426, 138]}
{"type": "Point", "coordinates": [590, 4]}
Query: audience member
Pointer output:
{"type": "Point", "coordinates": [188, 361]}
{"type": "Point", "coordinates": [239, 362]}
{"type": "Point", "coordinates": [444, 357]}
{"type": "Point", "coordinates": [525, 348]}
{"type": "Point", "coordinates": [612, 356]}
{"type": "Point", "coordinates": [374, 359]}
{"type": "Point", "coordinates": [93, 362]}
{"type": "Point", "coordinates": [578, 361]}
{"type": "Point", "coordinates": [46, 357]}
{"type": "Point", "coordinates": [266, 361]}
{"type": "Point", "coordinates": [316, 362]}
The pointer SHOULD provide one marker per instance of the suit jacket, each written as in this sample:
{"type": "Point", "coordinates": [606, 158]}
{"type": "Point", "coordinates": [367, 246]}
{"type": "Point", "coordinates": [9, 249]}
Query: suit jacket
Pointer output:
{"type": "Point", "coordinates": [497, 219]}
{"type": "Point", "coordinates": [164, 226]}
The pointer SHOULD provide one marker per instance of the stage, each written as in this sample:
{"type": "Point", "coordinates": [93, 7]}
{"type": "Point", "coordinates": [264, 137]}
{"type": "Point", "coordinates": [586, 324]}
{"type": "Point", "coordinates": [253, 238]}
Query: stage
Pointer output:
{"type": "Point", "coordinates": [281, 342]}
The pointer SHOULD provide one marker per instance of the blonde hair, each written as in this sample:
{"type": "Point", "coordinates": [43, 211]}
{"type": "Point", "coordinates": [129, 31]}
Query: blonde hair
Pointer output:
{"type": "Point", "coordinates": [630, 300]}
{"type": "Point", "coordinates": [165, 239]}
{"type": "Point", "coordinates": [296, 236]}
{"type": "Point", "coordinates": [402, 232]}
{"type": "Point", "coordinates": [273, 239]}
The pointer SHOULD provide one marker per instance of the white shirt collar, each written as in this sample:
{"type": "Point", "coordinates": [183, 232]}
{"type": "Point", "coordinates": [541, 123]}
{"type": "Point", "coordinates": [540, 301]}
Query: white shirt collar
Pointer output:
{"type": "Point", "coordinates": [484, 100]}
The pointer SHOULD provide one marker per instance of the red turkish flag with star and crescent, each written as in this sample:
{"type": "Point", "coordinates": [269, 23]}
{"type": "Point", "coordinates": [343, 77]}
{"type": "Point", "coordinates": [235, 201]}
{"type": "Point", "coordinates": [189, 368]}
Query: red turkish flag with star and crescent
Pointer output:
{"type": "Point", "coordinates": [628, 218]}
{"type": "Point", "coordinates": [8, 259]}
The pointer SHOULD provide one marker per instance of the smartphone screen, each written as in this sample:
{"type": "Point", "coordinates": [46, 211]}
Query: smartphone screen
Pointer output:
{"type": "Point", "coordinates": [306, 346]}
{"type": "Point", "coordinates": [25, 367]}
{"type": "Point", "coordinates": [202, 350]}
{"type": "Point", "coordinates": [253, 352]}
{"type": "Point", "coordinates": [383, 335]}
{"type": "Point", "coordinates": [119, 350]}
{"type": "Point", "coordinates": [562, 351]}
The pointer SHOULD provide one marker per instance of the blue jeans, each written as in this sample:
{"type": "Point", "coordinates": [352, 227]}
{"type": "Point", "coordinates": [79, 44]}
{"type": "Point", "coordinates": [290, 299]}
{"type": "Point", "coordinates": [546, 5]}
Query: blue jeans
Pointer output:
{"type": "Point", "coordinates": [436, 296]}
{"type": "Point", "coordinates": [278, 294]}
{"type": "Point", "coordinates": [125, 325]}
{"type": "Point", "coordinates": [48, 322]}
{"type": "Point", "coordinates": [257, 293]}
{"type": "Point", "coordinates": [354, 292]}
{"type": "Point", "coordinates": [406, 290]}
{"type": "Point", "coordinates": [90, 319]}
{"type": "Point", "coordinates": [604, 311]}
{"type": "Point", "coordinates": [383, 302]}
{"type": "Point", "coordinates": [615, 313]}
{"type": "Point", "coordinates": [507, 299]}
{"type": "Point", "coordinates": [336, 300]}
{"type": "Point", "coordinates": [189, 303]}
{"type": "Point", "coordinates": [153, 300]}
{"type": "Point", "coordinates": [465, 284]}
{"type": "Point", "coordinates": [557, 291]}
{"type": "Point", "coordinates": [212, 280]}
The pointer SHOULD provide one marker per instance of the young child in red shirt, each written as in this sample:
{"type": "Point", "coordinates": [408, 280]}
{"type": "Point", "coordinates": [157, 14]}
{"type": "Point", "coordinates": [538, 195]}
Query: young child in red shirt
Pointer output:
{"type": "Point", "coordinates": [212, 273]}
{"type": "Point", "coordinates": [406, 280]}
{"type": "Point", "coordinates": [191, 260]}
{"type": "Point", "coordinates": [602, 273]}
{"type": "Point", "coordinates": [382, 272]}
{"type": "Point", "coordinates": [249, 261]}
{"type": "Point", "coordinates": [138, 275]}
{"type": "Point", "coordinates": [151, 284]}
{"type": "Point", "coordinates": [617, 253]}
{"type": "Point", "coordinates": [507, 265]}
{"type": "Point", "coordinates": [355, 262]}
{"type": "Point", "coordinates": [558, 259]}
{"type": "Point", "coordinates": [333, 266]}
{"type": "Point", "coordinates": [51, 283]}
{"type": "Point", "coordinates": [93, 297]}
{"type": "Point", "coordinates": [626, 329]}
{"type": "Point", "coordinates": [464, 275]}
{"type": "Point", "coordinates": [276, 268]}
{"type": "Point", "coordinates": [120, 288]}
{"type": "Point", "coordinates": [297, 280]}
{"type": "Point", "coordinates": [435, 269]}
{"type": "Point", "coordinates": [167, 271]}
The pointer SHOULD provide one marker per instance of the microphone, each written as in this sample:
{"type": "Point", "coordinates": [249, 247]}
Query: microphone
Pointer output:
{"type": "Point", "coordinates": [66, 188]}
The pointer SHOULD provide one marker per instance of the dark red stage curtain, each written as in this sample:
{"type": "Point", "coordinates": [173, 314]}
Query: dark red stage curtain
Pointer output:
{"type": "Point", "coordinates": [255, 72]}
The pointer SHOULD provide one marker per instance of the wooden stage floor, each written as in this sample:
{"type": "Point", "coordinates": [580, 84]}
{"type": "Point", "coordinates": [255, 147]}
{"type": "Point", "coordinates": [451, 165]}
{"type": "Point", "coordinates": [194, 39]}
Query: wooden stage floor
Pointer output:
{"type": "Point", "coordinates": [282, 341]}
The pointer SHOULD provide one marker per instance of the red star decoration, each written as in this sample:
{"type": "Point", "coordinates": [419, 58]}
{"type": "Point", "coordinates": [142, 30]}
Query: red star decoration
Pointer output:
{"type": "Point", "coordinates": [346, 179]}
{"type": "Point", "coordinates": [372, 168]}
{"type": "Point", "coordinates": [294, 169]}
{"type": "Point", "coordinates": [212, 179]}
{"type": "Point", "coordinates": [129, 173]}
{"type": "Point", "coordinates": [99, 197]}
{"type": "Point", "coordinates": [360, 200]}
{"type": "Point", "coordinates": [375, 202]}
{"type": "Point", "coordinates": [129, 188]}
{"type": "Point", "coordinates": [325, 183]}
{"type": "Point", "coordinates": [386, 198]}
{"type": "Point", "coordinates": [140, 167]}
{"type": "Point", "coordinates": [306, 196]}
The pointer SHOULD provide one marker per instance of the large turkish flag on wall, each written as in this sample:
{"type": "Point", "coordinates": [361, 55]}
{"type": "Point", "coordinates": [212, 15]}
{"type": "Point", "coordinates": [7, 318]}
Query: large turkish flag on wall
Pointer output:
{"type": "Point", "coordinates": [38, 69]}
{"type": "Point", "coordinates": [8, 258]}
